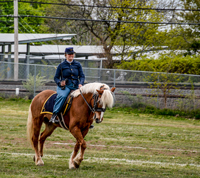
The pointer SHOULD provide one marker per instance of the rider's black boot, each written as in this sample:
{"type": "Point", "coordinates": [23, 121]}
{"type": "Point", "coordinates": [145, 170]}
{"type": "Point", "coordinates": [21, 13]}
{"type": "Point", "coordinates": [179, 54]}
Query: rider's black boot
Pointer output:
{"type": "Point", "coordinates": [91, 126]}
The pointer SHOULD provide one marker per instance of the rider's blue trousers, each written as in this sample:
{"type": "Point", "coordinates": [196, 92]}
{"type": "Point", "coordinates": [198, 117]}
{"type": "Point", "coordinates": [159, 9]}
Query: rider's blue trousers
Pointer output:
{"type": "Point", "coordinates": [61, 97]}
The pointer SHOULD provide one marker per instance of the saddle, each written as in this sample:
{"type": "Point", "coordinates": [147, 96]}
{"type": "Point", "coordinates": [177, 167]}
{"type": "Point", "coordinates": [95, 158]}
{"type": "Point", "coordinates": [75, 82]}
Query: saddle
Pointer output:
{"type": "Point", "coordinates": [50, 101]}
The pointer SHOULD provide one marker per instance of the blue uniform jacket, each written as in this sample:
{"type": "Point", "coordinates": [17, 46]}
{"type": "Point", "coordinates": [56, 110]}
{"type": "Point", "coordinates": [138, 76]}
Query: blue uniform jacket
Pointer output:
{"type": "Point", "coordinates": [72, 71]}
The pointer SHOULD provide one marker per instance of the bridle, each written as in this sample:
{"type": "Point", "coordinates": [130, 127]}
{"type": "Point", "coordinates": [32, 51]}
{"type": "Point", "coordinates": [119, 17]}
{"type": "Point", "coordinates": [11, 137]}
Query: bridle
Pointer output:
{"type": "Point", "coordinates": [95, 108]}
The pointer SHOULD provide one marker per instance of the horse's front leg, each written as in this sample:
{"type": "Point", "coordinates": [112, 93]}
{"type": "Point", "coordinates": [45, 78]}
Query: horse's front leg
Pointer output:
{"type": "Point", "coordinates": [75, 159]}
{"type": "Point", "coordinates": [73, 155]}
{"type": "Point", "coordinates": [79, 157]}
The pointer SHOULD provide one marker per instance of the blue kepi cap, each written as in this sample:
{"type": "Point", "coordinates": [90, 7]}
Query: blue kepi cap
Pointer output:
{"type": "Point", "coordinates": [69, 50]}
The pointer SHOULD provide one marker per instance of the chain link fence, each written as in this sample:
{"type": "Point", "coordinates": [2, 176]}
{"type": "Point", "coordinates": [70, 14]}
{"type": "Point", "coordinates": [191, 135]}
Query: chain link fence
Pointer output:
{"type": "Point", "coordinates": [111, 76]}
{"type": "Point", "coordinates": [157, 86]}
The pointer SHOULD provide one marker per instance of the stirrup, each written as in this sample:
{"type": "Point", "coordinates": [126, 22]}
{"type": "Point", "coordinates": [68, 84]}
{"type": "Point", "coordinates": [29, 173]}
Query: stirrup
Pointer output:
{"type": "Point", "coordinates": [53, 119]}
{"type": "Point", "coordinates": [91, 127]}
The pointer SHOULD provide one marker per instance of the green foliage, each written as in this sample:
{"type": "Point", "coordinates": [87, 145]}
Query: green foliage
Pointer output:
{"type": "Point", "coordinates": [156, 111]}
{"type": "Point", "coordinates": [183, 39]}
{"type": "Point", "coordinates": [135, 37]}
{"type": "Point", "coordinates": [33, 81]}
{"type": "Point", "coordinates": [16, 99]}
{"type": "Point", "coordinates": [186, 37]}
{"type": "Point", "coordinates": [165, 63]}
{"type": "Point", "coordinates": [193, 48]}
{"type": "Point", "coordinates": [191, 17]}
{"type": "Point", "coordinates": [6, 23]}
{"type": "Point", "coordinates": [26, 24]}
{"type": "Point", "coordinates": [109, 33]}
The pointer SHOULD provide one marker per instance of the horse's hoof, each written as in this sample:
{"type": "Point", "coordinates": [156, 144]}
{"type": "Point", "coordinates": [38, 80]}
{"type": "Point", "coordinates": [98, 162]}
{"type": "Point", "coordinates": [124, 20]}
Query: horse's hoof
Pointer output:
{"type": "Point", "coordinates": [76, 164]}
{"type": "Point", "coordinates": [34, 158]}
{"type": "Point", "coordinates": [40, 163]}
{"type": "Point", "coordinates": [72, 168]}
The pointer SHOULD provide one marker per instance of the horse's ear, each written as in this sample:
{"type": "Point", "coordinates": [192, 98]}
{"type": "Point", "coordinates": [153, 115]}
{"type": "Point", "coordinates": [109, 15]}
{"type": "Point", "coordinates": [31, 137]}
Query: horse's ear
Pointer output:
{"type": "Point", "coordinates": [102, 87]}
{"type": "Point", "coordinates": [100, 91]}
{"type": "Point", "coordinates": [113, 89]}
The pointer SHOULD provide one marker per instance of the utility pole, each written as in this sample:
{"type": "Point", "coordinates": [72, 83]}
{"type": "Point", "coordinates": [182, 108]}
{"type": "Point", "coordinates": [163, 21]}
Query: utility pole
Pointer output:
{"type": "Point", "coordinates": [16, 60]}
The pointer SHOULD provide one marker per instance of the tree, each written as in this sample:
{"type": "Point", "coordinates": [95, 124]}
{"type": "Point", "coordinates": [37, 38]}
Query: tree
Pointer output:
{"type": "Point", "coordinates": [26, 24]}
{"type": "Point", "coordinates": [185, 37]}
{"type": "Point", "coordinates": [192, 31]}
{"type": "Point", "coordinates": [32, 83]}
{"type": "Point", "coordinates": [136, 38]}
{"type": "Point", "coordinates": [6, 23]}
{"type": "Point", "coordinates": [83, 36]}
{"type": "Point", "coordinates": [163, 83]}
{"type": "Point", "coordinates": [111, 30]}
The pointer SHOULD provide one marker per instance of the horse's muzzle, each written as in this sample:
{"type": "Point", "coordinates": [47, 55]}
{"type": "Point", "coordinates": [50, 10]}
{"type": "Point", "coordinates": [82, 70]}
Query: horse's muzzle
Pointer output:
{"type": "Point", "coordinates": [98, 121]}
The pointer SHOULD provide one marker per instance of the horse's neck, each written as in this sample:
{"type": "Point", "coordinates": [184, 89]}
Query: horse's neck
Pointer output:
{"type": "Point", "coordinates": [88, 97]}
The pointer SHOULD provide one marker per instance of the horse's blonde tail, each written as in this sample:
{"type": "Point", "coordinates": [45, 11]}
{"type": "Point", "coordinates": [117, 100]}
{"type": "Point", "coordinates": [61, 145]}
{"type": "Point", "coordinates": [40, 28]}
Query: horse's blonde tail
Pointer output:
{"type": "Point", "coordinates": [30, 126]}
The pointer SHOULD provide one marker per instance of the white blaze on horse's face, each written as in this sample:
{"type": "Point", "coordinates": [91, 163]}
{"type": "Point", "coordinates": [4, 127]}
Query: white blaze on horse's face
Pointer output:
{"type": "Point", "coordinates": [102, 113]}
{"type": "Point", "coordinates": [99, 117]}
{"type": "Point", "coordinates": [101, 106]}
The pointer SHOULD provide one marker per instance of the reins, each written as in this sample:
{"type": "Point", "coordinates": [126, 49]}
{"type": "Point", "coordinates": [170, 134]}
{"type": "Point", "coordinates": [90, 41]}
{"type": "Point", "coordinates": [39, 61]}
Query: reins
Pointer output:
{"type": "Point", "coordinates": [87, 103]}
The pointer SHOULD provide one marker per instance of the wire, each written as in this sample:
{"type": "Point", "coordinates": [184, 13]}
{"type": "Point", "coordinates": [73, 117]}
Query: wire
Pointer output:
{"type": "Point", "coordinates": [64, 18]}
{"type": "Point", "coordinates": [133, 8]}
{"type": "Point", "coordinates": [35, 37]}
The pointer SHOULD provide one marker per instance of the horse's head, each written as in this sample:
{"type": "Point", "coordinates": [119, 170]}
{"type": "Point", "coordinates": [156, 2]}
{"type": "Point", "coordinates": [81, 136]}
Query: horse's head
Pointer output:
{"type": "Point", "coordinates": [102, 99]}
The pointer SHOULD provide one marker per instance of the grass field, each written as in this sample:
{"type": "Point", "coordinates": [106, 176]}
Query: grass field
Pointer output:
{"type": "Point", "coordinates": [125, 144]}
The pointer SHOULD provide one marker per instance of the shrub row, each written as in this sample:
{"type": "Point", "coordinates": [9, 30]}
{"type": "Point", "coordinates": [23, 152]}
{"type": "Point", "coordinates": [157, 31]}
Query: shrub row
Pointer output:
{"type": "Point", "coordinates": [193, 114]}
{"type": "Point", "coordinates": [165, 63]}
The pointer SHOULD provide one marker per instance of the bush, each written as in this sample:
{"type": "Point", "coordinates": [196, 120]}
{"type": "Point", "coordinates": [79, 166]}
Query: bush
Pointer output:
{"type": "Point", "coordinates": [165, 63]}
{"type": "Point", "coordinates": [195, 114]}
{"type": "Point", "coordinates": [31, 81]}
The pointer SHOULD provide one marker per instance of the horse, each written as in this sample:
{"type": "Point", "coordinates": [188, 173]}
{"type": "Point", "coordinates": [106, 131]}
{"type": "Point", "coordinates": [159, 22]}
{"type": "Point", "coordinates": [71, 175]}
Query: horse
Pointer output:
{"type": "Point", "coordinates": [89, 103]}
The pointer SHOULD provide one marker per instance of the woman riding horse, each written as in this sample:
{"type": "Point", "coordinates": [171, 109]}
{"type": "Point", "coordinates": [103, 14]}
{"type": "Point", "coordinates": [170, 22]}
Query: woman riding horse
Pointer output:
{"type": "Point", "coordinates": [89, 103]}
{"type": "Point", "coordinates": [67, 77]}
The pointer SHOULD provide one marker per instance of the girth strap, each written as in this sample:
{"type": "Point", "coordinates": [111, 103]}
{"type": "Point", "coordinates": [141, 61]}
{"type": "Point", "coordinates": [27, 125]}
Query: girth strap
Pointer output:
{"type": "Point", "coordinates": [62, 122]}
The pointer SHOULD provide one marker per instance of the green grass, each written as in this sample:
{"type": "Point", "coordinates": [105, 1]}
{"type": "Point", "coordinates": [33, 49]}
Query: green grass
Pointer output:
{"type": "Point", "coordinates": [142, 108]}
{"type": "Point", "coordinates": [126, 144]}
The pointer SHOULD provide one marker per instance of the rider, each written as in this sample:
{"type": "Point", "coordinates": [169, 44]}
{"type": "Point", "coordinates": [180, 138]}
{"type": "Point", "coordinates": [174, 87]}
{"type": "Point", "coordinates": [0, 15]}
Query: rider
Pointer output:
{"type": "Point", "coordinates": [69, 76]}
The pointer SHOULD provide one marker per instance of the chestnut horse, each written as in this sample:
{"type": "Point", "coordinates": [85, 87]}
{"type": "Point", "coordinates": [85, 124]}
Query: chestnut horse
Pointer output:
{"type": "Point", "coordinates": [89, 103]}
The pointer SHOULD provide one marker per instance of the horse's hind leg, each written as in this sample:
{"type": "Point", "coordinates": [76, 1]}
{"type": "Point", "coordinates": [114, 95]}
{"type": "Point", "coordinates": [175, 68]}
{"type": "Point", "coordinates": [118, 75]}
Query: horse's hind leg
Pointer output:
{"type": "Point", "coordinates": [37, 123]}
{"type": "Point", "coordinates": [46, 133]}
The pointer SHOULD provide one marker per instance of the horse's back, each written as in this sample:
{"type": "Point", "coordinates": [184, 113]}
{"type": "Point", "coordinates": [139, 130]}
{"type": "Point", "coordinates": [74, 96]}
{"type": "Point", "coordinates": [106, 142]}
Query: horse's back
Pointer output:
{"type": "Point", "coordinates": [39, 100]}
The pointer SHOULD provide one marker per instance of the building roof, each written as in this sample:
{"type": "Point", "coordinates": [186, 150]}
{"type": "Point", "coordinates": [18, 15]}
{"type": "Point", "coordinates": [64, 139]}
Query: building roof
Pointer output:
{"type": "Point", "coordinates": [56, 50]}
{"type": "Point", "coordinates": [8, 38]}
{"type": "Point", "coordinates": [47, 50]}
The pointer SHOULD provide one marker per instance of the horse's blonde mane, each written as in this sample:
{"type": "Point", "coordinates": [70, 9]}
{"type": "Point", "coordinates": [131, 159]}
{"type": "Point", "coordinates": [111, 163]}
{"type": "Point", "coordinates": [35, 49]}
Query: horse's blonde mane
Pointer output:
{"type": "Point", "coordinates": [106, 98]}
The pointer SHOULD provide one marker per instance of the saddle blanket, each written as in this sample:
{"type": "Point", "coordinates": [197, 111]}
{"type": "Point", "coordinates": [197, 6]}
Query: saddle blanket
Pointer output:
{"type": "Point", "coordinates": [49, 103]}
